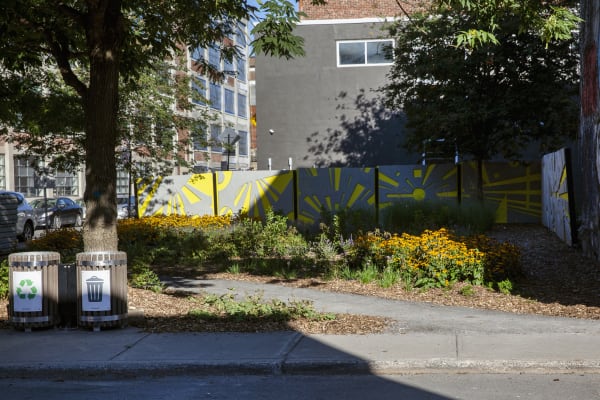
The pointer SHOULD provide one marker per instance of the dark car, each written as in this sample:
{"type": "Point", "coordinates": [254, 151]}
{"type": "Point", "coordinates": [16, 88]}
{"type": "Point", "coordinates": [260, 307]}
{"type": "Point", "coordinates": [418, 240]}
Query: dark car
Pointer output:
{"type": "Point", "coordinates": [81, 202]}
{"type": "Point", "coordinates": [26, 221]}
{"type": "Point", "coordinates": [58, 212]}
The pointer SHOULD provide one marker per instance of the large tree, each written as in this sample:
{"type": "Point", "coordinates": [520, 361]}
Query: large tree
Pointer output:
{"type": "Point", "coordinates": [555, 22]}
{"type": "Point", "coordinates": [95, 45]}
{"type": "Point", "coordinates": [589, 129]}
{"type": "Point", "coordinates": [484, 100]}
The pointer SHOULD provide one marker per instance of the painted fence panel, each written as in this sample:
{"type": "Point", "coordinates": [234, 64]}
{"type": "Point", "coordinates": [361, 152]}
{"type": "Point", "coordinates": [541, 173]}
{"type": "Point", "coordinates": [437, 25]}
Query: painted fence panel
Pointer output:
{"type": "Point", "coordinates": [557, 201]}
{"type": "Point", "coordinates": [178, 194]}
{"type": "Point", "coordinates": [334, 189]}
{"type": "Point", "coordinates": [434, 182]}
{"type": "Point", "coordinates": [512, 189]}
{"type": "Point", "coordinates": [255, 192]}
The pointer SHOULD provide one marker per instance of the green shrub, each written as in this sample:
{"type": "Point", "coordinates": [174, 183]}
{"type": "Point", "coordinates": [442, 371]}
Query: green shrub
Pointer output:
{"type": "Point", "coordinates": [414, 217]}
{"type": "Point", "coordinates": [142, 277]}
{"type": "Point", "coordinates": [505, 286]}
{"type": "Point", "coordinates": [346, 222]}
{"type": "Point", "coordinates": [67, 242]}
{"type": "Point", "coordinates": [4, 279]}
{"type": "Point", "coordinates": [274, 237]}
{"type": "Point", "coordinates": [255, 308]}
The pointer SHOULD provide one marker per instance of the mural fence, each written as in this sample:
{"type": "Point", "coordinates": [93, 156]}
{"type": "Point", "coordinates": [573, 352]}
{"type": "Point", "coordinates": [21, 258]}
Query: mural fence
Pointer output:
{"type": "Point", "coordinates": [512, 189]}
{"type": "Point", "coordinates": [558, 205]}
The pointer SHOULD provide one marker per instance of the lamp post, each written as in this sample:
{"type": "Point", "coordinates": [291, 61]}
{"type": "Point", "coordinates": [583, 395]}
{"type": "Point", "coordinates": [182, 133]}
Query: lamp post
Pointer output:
{"type": "Point", "coordinates": [229, 144]}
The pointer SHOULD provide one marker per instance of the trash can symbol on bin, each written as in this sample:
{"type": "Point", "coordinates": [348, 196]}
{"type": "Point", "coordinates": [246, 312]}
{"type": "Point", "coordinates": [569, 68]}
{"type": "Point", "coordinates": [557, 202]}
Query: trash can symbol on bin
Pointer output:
{"type": "Point", "coordinates": [94, 289]}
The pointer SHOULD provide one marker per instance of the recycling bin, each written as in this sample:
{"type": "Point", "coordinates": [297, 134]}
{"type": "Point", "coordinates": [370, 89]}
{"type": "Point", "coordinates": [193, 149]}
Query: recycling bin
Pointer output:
{"type": "Point", "coordinates": [101, 289]}
{"type": "Point", "coordinates": [33, 288]}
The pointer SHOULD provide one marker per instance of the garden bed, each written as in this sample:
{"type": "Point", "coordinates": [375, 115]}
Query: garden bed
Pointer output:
{"type": "Point", "coordinates": [556, 281]}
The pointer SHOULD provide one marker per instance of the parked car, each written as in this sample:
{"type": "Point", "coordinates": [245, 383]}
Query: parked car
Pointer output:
{"type": "Point", "coordinates": [26, 222]}
{"type": "Point", "coordinates": [122, 211]}
{"type": "Point", "coordinates": [57, 212]}
{"type": "Point", "coordinates": [81, 203]}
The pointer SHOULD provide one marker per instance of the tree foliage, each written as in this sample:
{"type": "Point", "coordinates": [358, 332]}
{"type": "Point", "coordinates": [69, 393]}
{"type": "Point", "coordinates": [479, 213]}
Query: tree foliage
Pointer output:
{"type": "Point", "coordinates": [97, 45]}
{"type": "Point", "coordinates": [549, 20]}
{"type": "Point", "coordinates": [492, 98]}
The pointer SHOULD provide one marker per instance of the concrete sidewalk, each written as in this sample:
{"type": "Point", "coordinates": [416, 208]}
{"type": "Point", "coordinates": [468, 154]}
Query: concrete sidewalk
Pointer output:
{"type": "Point", "coordinates": [427, 338]}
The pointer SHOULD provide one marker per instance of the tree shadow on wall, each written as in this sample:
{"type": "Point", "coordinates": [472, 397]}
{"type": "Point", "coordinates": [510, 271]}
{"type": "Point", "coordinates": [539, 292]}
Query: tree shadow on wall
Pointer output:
{"type": "Point", "coordinates": [374, 136]}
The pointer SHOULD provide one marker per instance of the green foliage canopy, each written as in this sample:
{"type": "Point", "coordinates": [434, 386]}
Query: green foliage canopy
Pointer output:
{"type": "Point", "coordinates": [96, 45]}
{"type": "Point", "coordinates": [495, 97]}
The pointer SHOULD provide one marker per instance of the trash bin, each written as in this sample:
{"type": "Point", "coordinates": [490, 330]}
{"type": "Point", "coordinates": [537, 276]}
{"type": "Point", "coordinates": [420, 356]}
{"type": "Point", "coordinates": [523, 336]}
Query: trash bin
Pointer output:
{"type": "Point", "coordinates": [33, 286]}
{"type": "Point", "coordinates": [102, 289]}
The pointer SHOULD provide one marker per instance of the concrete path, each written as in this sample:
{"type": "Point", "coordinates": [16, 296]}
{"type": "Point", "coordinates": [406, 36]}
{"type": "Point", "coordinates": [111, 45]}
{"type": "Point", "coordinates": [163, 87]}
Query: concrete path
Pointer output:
{"type": "Point", "coordinates": [427, 338]}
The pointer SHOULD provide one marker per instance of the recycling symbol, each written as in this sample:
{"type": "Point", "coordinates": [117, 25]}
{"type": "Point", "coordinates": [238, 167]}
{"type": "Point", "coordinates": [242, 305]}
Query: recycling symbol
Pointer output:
{"type": "Point", "coordinates": [26, 290]}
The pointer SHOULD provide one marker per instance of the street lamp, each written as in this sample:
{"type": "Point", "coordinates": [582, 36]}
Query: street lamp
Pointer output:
{"type": "Point", "coordinates": [229, 144]}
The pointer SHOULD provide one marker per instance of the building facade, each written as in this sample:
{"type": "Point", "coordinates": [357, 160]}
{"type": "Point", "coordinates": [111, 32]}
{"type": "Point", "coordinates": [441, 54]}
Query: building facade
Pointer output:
{"type": "Point", "coordinates": [323, 109]}
{"type": "Point", "coordinates": [226, 143]}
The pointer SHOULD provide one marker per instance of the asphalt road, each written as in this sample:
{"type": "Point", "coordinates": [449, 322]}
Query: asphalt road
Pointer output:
{"type": "Point", "coordinates": [347, 387]}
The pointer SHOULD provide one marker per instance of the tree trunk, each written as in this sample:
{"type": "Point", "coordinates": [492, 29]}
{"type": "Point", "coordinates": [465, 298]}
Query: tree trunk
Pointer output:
{"type": "Point", "coordinates": [104, 37]}
{"type": "Point", "coordinates": [589, 130]}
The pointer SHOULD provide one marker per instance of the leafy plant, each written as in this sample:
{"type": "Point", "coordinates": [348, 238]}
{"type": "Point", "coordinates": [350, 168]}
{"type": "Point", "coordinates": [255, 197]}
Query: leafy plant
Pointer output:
{"type": "Point", "coordinates": [256, 308]}
{"type": "Point", "coordinates": [505, 286]}
{"type": "Point", "coordinates": [142, 277]}
{"type": "Point", "coordinates": [467, 291]}
{"type": "Point", "coordinates": [4, 279]}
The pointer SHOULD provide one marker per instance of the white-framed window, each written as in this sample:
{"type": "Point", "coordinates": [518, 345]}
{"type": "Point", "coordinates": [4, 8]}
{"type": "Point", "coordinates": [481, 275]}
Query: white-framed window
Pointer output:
{"type": "Point", "coordinates": [199, 86]}
{"type": "Point", "coordinates": [66, 184]}
{"type": "Point", "coordinates": [215, 138]}
{"type": "Point", "coordinates": [243, 143]}
{"type": "Point", "coordinates": [215, 96]}
{"type": "Point", "coordinates": [197, 53]}
{"type": "Point", "coordinates": [2, 171]}
{"type": "Point", "coordinates": [241, 69]}
{"type": "Point", "coordinates": [352, 53]}
{"type": "Point", "coordinates": [242, 112]}
{"type": "Point", "coordinates": [122, 182]}
{"type": "Point", "coordinates": [25, 176]}
{"type": "Point", "coordinates": [200, 141]}
{"type": "Point", "coordinates": [214, 56]}
{"type": "Point", "coordinates": [229, 101]}
{"type": "Point", "coordinates": [241, 35]}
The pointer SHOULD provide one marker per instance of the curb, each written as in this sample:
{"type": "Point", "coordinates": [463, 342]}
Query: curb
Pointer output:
{"type": "Point", "coordinates": [406, 367]}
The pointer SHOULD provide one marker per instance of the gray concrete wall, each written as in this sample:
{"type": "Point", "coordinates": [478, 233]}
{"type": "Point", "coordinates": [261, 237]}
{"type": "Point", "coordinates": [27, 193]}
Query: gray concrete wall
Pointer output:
{"type": "Point", "coordinates": [323, 115]}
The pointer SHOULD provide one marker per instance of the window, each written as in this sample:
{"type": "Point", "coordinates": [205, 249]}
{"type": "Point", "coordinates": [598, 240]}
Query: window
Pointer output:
{"type": "Point", "coordinates": [241, 36]}
{"type": "Point", "coordinates": [122, 182]}
{"type": "Point", "coordinates": [67, 184]}
{"type": "Point", "coordinates": [229, 101]}
{"type": "Point", "coordinates": [199, 88]}
{"type": "Point", "coordinates": [214, 56]}
{"type": "Point", "coordinates": [229, 67]}
{"type": "Point", "coordinates": [242, 112]}
{"type": "Point", "coordinates": [199, 141]}
{"type": "Point", "coordinates": [243, 143]}
{"type": "Point", "coordinates": [215, 96]}
{"type": "Point", "coordinates": [2, 172]}
{"type": "Point", "coordinates": [197, 54]}
{"type": "Point", "coordinates": [365, 52]}
{"type": "Point", "coordinates": [215, 138]}
{"type": "Point", "coordinates": [25, 177]}
{"type": "Point", "coordinates": [241, 69]}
